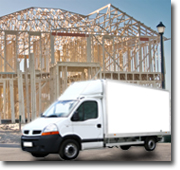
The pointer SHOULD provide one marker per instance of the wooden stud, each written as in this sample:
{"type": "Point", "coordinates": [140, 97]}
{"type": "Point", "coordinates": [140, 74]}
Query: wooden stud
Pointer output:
{"type": "Point", "coordinates": [54, 84]}
{"type": "Point", "coordinates": [51, 85]}
{"type": "Point", "coordinates": [150, 57]}
{"type": "Point", "coordinates": [19, 90]}
{"type": "Point", "coordinates": [41, 66]}
{"type": "Point", "coordinates": [5, 45]}
{"type": "Point", "coordinates": [4, 99]}
{"type": "Point", "coordinates": [65, 77]}
{"type": "Point", "coordinates": [52, 49]}
{"type": "Point", "coordinates": [33, 86]}
{"type": "Point", "coordinates": [103, 53]}
{"type": "Point", "coordinates": [113, 50]}
{"type": "Point", "coordinates": [27, 89]}
{"type": "Point", "coordinates": [16, 52]}
{"type": "Point", "coordinates": [40, 111]}
{"type": "Point", "coordinates": [12, 101]}
{"type": "Point", "coordinates": [88, 49]}
{"type": "Point", "coordinates": [57, 82]}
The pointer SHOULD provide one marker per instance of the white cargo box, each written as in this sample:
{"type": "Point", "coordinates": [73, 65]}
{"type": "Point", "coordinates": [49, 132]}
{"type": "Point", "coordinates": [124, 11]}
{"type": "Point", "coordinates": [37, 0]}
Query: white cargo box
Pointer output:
{"type": "Point", "coordinates": [133, 109]}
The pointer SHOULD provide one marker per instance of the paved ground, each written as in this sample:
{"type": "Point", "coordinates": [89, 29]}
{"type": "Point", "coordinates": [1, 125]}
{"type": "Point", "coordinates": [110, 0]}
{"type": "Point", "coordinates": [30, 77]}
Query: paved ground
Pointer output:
{"type": "Point", "coordinates": [10, 150]}
{"type": "Point", "coordinates": [162, 153]}
{"type": "Point", "coordinates": [10, 133]}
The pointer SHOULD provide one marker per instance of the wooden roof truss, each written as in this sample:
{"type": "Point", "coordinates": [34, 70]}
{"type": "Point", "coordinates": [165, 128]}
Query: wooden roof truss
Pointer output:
{"type": "Point", "coordinates": [57, 47]}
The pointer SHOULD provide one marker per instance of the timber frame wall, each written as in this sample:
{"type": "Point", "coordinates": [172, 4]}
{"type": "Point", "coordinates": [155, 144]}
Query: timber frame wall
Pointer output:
{"type": "Point", "coordinates": [43, 50]}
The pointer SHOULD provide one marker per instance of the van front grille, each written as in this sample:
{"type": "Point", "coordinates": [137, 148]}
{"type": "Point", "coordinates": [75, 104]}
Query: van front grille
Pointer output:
{"type": "Point", "coordinates": [36, 132]}
{"type": "Point", "coordinates": [26, 132]}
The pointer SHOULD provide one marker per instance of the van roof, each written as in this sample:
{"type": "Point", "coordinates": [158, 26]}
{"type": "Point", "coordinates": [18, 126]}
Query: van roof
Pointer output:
{"type": "Point", "coordinates": [82, 88]}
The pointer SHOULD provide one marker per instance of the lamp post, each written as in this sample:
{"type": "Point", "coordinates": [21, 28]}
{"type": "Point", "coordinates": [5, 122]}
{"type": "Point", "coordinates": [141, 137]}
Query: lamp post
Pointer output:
{"type": "Point", "coordinates": [161, 29]}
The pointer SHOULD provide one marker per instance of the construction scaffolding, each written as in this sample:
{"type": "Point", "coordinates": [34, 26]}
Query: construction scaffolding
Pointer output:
{"type": "Point", "coordinates": [43, 50]}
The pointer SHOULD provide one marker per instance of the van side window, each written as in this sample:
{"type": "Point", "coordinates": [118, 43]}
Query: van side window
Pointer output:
{"type": "Point", "coordinates": [80, 112]}
{"type": "Point", "coordinates": [88, 110]}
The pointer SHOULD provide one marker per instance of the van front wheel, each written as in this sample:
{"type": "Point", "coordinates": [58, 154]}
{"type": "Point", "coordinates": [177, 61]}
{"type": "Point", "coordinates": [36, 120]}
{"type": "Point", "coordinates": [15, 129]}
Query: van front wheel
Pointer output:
{"type": "Point", "coordinates": [39, 154]}
{"type": "Point", "coordinates": [126, 147]}
{"type": "Point", "coordinates": [69, 149]}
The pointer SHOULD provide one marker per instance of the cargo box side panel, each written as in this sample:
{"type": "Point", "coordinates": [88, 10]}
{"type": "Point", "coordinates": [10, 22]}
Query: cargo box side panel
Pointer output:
{"type": "Point", "coordinates": [135, 109]}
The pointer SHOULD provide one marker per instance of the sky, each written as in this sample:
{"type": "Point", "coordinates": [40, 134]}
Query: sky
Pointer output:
{"type": "Point", "coordinates": [149, 12]}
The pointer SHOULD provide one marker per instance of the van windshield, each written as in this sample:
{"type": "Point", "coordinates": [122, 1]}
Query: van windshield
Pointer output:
{"type": "Point", "coordinates": [60, 109]}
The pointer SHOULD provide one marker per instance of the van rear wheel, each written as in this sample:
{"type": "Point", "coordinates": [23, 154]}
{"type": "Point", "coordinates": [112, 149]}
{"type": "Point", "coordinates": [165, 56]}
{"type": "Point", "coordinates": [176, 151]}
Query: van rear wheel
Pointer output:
{"type": "Point", "coordinates": [69, 149]}
{"type": "Point", "coordinates": [150, 143]}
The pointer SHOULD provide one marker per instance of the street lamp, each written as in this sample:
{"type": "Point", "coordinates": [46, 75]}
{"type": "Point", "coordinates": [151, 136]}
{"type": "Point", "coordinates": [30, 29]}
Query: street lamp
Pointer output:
{"type": "Point", "coordinates": [161, 29]}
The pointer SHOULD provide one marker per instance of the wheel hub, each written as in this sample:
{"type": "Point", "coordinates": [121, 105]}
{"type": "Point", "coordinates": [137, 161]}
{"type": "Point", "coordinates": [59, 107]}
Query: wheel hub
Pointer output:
{"type": "Point", "coordinates": [151, 144]}
{"type": "Point", "coordinates": [70, 150]}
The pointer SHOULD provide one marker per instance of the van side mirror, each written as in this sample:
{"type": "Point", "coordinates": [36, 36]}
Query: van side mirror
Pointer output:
{"type": "Point", "coordinates": [75, 117]}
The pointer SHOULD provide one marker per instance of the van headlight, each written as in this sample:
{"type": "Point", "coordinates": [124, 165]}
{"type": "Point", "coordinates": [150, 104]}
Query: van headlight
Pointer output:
{"type": "Point", "coordinates": [51, 129]}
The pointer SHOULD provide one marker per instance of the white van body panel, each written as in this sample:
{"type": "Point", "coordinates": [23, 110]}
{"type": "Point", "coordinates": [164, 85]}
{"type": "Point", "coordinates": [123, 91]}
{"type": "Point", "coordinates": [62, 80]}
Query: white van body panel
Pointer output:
{"type": "Point", "coordinates": [136, 109]}
{"type": "Point", "coordinates": [64, 127]}
{"type": "Point", "coordinates": [40, 123]}
{"type": "Point", "coordinates": [92, 145]}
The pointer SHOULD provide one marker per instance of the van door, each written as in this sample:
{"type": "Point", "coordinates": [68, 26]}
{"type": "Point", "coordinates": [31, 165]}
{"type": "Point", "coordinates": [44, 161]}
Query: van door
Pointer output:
{"type": "Point", "coordinates": [88, 123]}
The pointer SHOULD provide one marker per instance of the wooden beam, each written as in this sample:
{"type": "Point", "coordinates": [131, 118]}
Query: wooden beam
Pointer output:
{"type": "Point", "coordinates": [47, 60]}
{"type": "Point", "coordinates": [27, 88]}
{"type": "Point", "coordinates": [113, 50]}
{"type": "Point", "coordinates": [65, 77]}
{"type": "Point", "coordinates": [54, 83]}
{"type": "Point", "coordinates": [89, 49]}
{"type": "Point", "coordinates": [52, 49]}
{"type": "Point", "coordinates": [20, 94]}
{"type": "Point", "coordinates": [5, 45]}
{"type": "Point", "coordinates": [16, 52]}
{"type": "Point", "coordinates": [12, 101]}
{"type": "Point", "coordinates": [129, 60]}
{"type": "Point", "coordinates": [69, 34]}
{"type": "Point", "coordinates": [140, 57]}
{"type": "Point", "coordinates": [4, 99]}
{"type": "Point", "coordinates": [40, 111]}
{"type": "Point", "coordinates": [97, 11]}
{"type": "Point", "coordinates": [41, 53]}
{"type": "Point", "coordinates": [143, 39]}
{"type": "Point", "coordinates": [33, 86]}
{"type": "Point", "coordinates": [51, 85]}
{"type": "Point", "coordinates": [103, 53]}
{"type": "Point", "coordinates": [150, 58]}
{"type": "Point", "coordinates": [57, 82]}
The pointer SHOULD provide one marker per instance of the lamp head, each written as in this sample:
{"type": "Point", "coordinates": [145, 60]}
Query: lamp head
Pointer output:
{"type": "Point", "coordinates": [161, 28]}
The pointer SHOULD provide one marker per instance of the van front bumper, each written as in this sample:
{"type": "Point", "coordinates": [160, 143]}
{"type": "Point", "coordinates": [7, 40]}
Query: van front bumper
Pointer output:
{"type": "Point", "coordinates": [42, 144]}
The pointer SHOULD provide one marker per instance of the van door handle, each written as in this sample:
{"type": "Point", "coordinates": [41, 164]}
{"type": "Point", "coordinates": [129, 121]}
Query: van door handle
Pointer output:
{"type": "Point", "coordinates": [99, 125]}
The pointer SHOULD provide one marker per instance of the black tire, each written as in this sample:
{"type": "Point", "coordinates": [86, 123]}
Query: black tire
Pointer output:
{"type": "Point", "coordinates": [69, 149]}
{"type": "Point", "coordinates": [126, 147]}
{"type": "Point", "coordinates": [150, 143]}
{"type": "Point", "coordinates": [110, 147]}
{"type": "Point", "coordinates": [39, 154]}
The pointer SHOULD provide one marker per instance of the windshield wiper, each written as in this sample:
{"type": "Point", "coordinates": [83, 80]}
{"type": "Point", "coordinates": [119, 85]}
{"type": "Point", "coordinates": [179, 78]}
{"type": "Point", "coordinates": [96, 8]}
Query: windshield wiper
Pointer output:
{"type": "Point", "coordinates": [41, 115]}
{"type": "Point", "coordinates": [52, 116]}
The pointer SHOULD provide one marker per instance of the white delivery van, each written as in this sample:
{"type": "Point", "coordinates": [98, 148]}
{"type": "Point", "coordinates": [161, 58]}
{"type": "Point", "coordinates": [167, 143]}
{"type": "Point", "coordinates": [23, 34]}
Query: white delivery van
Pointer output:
{"type": "Point", "coordinates": [97, 114]}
